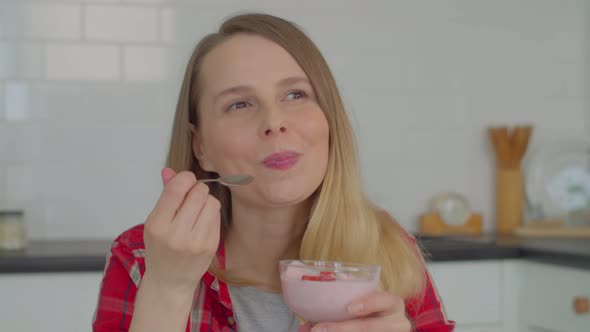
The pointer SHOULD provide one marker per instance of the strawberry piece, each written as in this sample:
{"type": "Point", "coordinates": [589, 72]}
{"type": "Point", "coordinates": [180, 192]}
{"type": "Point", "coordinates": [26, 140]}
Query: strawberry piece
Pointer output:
{"type": "Point", "coordinates": [324, 276]}
{"type": "Point", "coordinates": [312, 278]}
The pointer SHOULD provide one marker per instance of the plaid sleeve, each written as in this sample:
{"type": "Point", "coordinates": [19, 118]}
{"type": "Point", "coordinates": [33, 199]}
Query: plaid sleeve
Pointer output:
{"type": "Point", "coordinates": [122, 275]}
{"type": "Point", "coordinates": [427, 314]}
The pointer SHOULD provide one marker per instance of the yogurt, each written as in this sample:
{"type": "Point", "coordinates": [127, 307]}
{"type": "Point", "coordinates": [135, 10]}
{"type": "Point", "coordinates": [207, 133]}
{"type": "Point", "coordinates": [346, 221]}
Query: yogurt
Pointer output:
{"type": "Point", "coordinates": [323, 296]}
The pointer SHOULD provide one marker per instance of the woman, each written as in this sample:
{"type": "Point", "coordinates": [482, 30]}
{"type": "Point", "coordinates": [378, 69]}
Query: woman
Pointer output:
{"type": "Point", "coordinates": [258, 98]}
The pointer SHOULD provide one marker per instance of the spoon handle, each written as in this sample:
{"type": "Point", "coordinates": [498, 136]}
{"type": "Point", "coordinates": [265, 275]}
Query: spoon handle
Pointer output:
{"type": "Point", "coordinates": [207, 180]}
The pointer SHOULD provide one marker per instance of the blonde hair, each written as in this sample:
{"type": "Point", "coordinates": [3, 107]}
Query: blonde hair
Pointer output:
{"type": "Point", "coordinates": [343, 224]}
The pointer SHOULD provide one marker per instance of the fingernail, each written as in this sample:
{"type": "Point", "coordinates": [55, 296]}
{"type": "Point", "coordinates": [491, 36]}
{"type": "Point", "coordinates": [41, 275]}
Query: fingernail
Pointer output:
{"type": "Point", "coordinates": [163, 174]}
{"type": "Point", "coordinates": [167, 174]}
{"type": "Point", "coordinates": [356, 308]}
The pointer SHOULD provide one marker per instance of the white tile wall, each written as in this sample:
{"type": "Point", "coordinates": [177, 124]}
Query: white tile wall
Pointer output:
{"type": "Point", "coordinates": [587, 77]}
{"type": "Point", "coordinates": [2, 116]}
{"type": "Point", "coordinates": [2, 185]}
{"type": "Point", "coordinates": [148, 64]}
{"type": "Point", "coordinates": [17, 105]}
{"type": "Point", "coordinates": [19, 183]}
{"type": "Point", "coordinates": [178, 26]}
{"type": "Point", "coordinates": [125, 24]}
{"type": "Point", "coordinates": [51, 21]}
{"type": "Point", "coordinates": [21, 60]}
{"type": "Point", "coordinates": [11, 19]}
{"type": "Point", "coordinates": [20, 142]}
{"type": "Point", "coordinates": [88, 90]}
{"type": "Point", "coordinates": [85, 62]}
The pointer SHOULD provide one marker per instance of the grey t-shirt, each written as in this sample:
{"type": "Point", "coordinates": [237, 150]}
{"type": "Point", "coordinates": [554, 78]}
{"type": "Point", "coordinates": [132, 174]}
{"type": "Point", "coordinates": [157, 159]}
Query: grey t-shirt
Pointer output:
{"type": "Point", "coordinates": [259, 311]}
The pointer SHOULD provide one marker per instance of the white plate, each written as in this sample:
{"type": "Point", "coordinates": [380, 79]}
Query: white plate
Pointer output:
{"type": "Point", "coordinates": [557, 179]}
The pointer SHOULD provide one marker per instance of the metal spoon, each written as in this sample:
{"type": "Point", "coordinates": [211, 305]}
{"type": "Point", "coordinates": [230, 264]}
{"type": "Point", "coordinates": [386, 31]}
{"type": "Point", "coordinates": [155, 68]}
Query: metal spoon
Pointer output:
{"type": "Point", "coordinates": [231, 180]}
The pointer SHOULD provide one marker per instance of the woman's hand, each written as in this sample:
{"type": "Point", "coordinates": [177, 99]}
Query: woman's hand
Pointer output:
{"type": "Point", "coordinates": [378, 312]}
{"type": "Point", "coordinates": [181, 234]}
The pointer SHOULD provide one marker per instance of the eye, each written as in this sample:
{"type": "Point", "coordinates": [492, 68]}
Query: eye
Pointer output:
{"type": "Point", "coordinates": [297, 94]}
{"type": "Point", "coordinates": [238, 106]}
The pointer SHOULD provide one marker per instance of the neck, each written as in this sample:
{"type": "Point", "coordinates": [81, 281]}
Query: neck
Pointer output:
{"type": "Point", "coordinates": [259, 238]}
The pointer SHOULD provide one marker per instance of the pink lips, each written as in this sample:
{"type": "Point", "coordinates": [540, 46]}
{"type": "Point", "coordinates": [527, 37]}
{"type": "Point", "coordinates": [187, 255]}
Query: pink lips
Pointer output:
{"type": "Point", "coordinates": [281, 160]}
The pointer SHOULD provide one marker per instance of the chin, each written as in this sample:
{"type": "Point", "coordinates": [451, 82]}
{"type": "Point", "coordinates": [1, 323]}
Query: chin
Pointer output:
{"type": "Point", "coordinates": [288, 195]}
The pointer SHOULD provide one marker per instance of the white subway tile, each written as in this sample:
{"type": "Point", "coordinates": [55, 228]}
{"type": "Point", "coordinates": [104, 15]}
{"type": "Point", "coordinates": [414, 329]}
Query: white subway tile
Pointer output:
{"type": "Point", "coordinates": [168, 25]}
{"type": "Point", "coordinates": [104, 104]}
{"type": "Point", "coordinates": [21, 60]}
{"type": "Point", "coordinates": [31, 61]}
{"type": "Point", "coordinates": [11, 19]}
{"type": "Point", "coordinates": [20, 142]}
{"type": "Point", "coordinates": [182, 24]}
{"type": "Point", "coordinates": [82, 62]}
{"type": "Point", "coordinates": [99, 199]}
{"type": "Point", "coordinates": [118, 23]}
{"type": "Point", "coordinates": [89, 143]}
{"type": "Point", "coordinates": [149, 1]}
{"type": "Point", "coordinates": [17, 106]}
{"type": "Point", "coordinates": [2, 116]}
{"type": "Point", "coordinates": [7, 60]}
{"type": "Point", "coordinates": [51, 21]}
{"type": "Point", "coordinates": [147, 64]}
{"type": "Point", "coordinates": [19, 182]}
{"type": "Point", "coordinates": [2, 184]}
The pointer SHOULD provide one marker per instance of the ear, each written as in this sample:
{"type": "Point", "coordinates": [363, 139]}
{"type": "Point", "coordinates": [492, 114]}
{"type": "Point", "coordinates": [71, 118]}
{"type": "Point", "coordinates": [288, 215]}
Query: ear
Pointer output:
{"type": "Point", "coordinates": [199, 151]}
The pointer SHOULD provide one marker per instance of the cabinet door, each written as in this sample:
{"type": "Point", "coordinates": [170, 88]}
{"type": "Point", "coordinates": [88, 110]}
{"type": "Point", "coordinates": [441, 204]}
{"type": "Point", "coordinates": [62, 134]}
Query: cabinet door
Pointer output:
{"type": "Point", "coordinates": [471, 293]}
{"type": "Point", "coordinates": [478, 328]}
{"type": "Point", "coordinates": [548, 296]}
{"type": "Point", "coordinates": [48, 301]}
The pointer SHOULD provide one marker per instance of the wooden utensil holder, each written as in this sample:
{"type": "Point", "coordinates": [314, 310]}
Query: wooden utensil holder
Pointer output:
{"type": "Point", "coordinates": [509, 199]}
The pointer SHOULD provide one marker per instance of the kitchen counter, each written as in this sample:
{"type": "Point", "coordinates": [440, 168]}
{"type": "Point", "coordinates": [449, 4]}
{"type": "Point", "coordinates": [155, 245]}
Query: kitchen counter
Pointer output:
{"type": "Point", "coordinates": [566, 252]}
{"type": "Point", "coordinates": [78, 256]}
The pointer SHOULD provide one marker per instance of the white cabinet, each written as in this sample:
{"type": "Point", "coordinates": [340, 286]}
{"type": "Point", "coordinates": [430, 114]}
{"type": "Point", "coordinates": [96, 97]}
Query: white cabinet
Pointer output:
{"type": "Point", "coordinates": [512, 296]}
{"type": "Point", "coordinates": [481, 296]}
{"type": "Point", "coordinates": [548, 293]}
{"type": "Point", "coordinates": [48, 301]}
{"type": "Point", "coordinates": [471, 292]}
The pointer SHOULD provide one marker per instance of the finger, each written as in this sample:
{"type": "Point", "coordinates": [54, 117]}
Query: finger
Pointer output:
{"type": "Point", "coordinates": [304, 328]}
{"type": "Point", "coordinates": [191, 208]}
{"type": "Point", "coordinates": [380, 303]}
{"type": "Point", "coordinates": [207, 226]}
{"type": "Point", "coordinates": [172, 197]}
{"type": "Point", "coordinates": [167, 175]}
{"type": "Point", "coordinates": [373, 324]}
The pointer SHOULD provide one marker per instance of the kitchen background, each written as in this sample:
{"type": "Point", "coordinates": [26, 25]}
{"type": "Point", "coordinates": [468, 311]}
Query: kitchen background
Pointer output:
{"type": "Point", "coordinates": [88, 90]}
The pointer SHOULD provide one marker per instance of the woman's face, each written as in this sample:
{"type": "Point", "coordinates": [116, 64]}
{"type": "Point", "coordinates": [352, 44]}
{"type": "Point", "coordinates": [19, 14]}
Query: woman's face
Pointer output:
{"type": "Point", "coordinates": [259, 116]}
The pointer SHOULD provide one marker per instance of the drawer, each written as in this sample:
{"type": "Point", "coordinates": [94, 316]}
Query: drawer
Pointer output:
{"type": "Point", "coordinates": [547, 298]}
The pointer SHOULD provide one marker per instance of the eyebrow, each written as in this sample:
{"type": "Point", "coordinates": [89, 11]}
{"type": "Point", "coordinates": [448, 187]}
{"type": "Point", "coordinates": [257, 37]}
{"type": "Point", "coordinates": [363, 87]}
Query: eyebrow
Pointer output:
{"type": "Point", "coordinates": [245, 88]}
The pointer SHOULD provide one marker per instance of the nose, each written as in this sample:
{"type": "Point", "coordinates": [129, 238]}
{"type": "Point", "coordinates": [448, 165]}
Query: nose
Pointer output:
{"type": "Point", "coordinates": [273, 122]}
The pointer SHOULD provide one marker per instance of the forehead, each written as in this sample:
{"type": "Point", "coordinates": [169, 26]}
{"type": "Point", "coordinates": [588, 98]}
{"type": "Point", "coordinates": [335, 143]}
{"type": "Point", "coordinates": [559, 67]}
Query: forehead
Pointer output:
{"type": "Point", "coordinates": [247, 59]}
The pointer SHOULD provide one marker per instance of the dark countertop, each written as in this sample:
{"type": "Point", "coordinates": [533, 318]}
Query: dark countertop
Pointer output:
{"type": "Point", "coordinates": [90, 255]}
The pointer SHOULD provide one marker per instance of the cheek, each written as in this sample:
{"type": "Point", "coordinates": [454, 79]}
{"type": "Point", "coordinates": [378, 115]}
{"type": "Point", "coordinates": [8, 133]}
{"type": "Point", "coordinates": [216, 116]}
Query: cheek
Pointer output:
{"type": "Point", "coordinates": [226, 144]}
{"type": "Point", "coordinates": [315, 129]}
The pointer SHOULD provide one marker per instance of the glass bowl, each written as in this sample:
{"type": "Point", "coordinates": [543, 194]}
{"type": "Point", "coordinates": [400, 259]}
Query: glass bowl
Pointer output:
{"type": "Point", "coordinates": [320, 291]}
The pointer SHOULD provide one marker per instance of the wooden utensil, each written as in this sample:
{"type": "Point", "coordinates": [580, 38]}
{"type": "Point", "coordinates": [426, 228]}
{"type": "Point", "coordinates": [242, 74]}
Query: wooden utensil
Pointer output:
{"type": "Point", "coordinates": [509, 149]}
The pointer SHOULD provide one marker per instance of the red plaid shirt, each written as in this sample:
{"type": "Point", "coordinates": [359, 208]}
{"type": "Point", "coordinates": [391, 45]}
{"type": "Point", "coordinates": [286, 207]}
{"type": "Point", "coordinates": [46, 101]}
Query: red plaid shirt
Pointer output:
{"type": "Point", "coordinates": [212, 307]}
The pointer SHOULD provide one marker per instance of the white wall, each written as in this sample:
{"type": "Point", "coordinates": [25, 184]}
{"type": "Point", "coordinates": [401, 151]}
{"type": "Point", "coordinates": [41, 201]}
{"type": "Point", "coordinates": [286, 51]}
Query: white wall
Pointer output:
{"type": "Point", "coordinates": [587, 80]}
{"type": "Point", "coordinates": [88, 90]}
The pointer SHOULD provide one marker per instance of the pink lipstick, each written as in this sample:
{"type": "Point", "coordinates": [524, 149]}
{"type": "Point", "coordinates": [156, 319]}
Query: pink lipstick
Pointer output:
{"type": "Point", "coordinates": [281, 160]}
